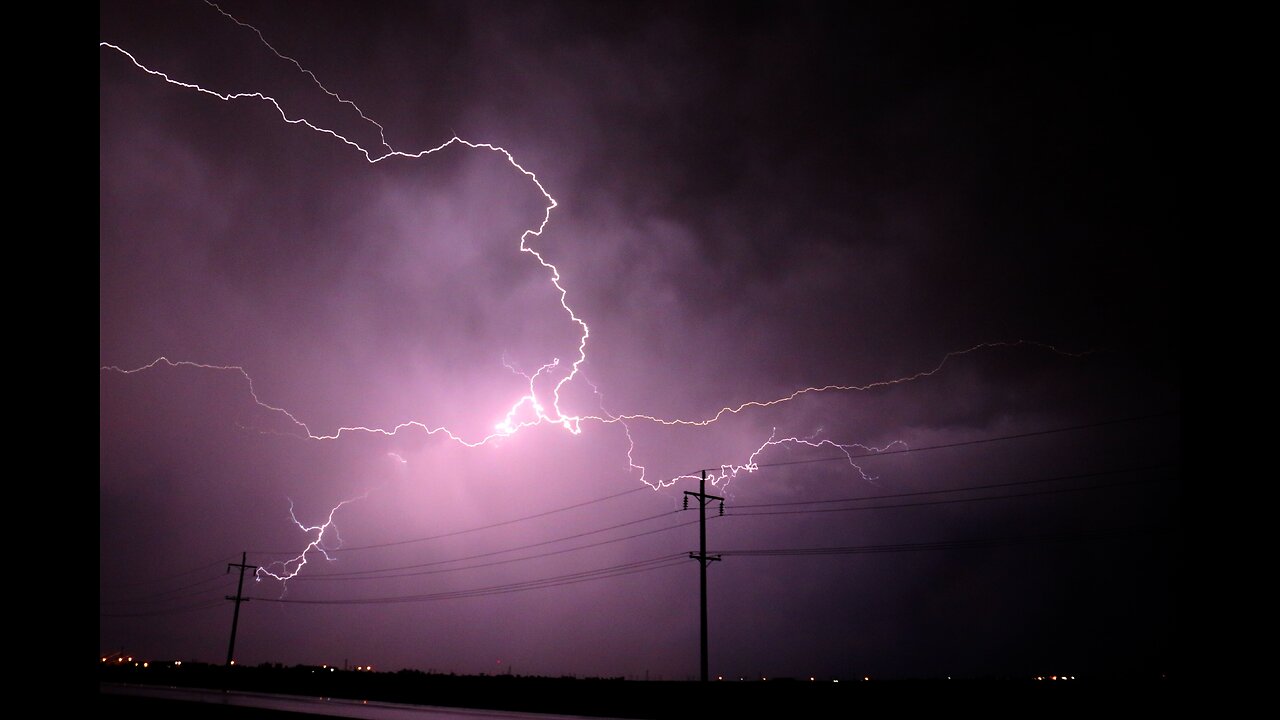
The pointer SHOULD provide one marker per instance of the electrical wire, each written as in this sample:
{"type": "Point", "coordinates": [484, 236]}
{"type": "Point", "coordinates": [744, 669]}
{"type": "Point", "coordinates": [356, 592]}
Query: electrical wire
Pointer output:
{"type": "Point", "coordinates": [628, 568]}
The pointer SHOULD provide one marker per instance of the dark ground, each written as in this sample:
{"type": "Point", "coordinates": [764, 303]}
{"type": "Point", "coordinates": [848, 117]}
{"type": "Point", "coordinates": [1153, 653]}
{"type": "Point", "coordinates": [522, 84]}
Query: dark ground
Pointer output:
{"type": "Point", "coordinates": [635, 699]}
{"type": "Point", "coordinates": [122, 706]}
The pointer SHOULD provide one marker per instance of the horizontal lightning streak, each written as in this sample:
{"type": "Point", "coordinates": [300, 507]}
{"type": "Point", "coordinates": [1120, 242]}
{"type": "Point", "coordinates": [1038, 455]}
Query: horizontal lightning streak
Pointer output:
{"type": "Point", "coordinates": [727, 472]}
{"type": "Point", "coordinates": [733, 410]}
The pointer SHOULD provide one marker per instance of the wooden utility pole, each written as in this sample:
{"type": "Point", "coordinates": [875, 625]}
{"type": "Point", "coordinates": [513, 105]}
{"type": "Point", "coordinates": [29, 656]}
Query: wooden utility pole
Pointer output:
{"type": "Point", "coordinates": [239, 598]}
{"type": "Point", "coordinates": [702, 557]}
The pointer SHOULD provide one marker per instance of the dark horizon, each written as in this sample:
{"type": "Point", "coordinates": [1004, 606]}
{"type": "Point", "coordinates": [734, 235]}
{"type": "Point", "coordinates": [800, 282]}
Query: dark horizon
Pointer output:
{"type": "Point", "coordinates": [145, 670]}
{"type": "Point", "coordinates": [215, 691]}
{"type": "Point", "coordinates": [968, 219]}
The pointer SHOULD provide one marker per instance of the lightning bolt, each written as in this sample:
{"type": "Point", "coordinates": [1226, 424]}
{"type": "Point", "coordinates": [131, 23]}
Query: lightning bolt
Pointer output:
{"type": "Point", "coordinates": [734, 410]}
{"type": "Point", "coordinates": [382, 133]}
{"type": "Point", "coordinates": [532, 408]}
{"type": "Point", "coordinates": [728, 472]}
{"type": "Point", "coordinates": [289, 569]}
{"type": "Point", "coordinates": [510, 424]}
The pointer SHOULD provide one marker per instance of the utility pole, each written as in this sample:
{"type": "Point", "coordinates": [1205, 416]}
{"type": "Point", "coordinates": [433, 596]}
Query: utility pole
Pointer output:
{"type": "Point", "coordinates": [235, 618]}
{"type": "Point", "coordinates": [701, 557]}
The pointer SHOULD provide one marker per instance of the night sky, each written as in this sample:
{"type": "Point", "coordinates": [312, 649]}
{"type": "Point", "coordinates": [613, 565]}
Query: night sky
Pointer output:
{"type": "Point", "coordinates": [751, 199]}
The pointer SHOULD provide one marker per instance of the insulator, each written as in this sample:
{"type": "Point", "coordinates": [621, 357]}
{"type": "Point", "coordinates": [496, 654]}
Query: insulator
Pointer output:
{"type": "Point", "coordinates": [721, 507]}
{"type": "Point", "coordinates": [686, 502]}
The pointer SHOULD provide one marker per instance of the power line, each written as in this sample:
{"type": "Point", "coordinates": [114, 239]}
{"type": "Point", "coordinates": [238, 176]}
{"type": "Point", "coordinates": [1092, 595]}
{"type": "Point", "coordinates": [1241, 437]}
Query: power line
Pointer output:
{"type": "Point", "coordinates": [1047, 491]}
{"type": "Point", "coordinates": [392, 572]}
{"type": "Point", "coordinates": [672, 560]}
{"type": "Point", "coordinates": [947, 545]}
{"type": "Point", "coordinates": [513, 549]}
{"type": "Point", "coordinates": [467, 530]}
{"type": "Point", "coordinates": [364, 575]}
{"type": "Point", "coordinates": [368, 575]}
{"type": "Point", "coordinates": [553, 511]}
{"type": "Point", "coordinates": [158, 596]}
{"type": "Point", "coordinates": [172, 611]}
{"type": "Point", "coordinates": [962, 443]}
{"type": "Point", "coordinates": [643, 488]}
{"type": "Point", "coordinates": [175, 576]}
{"type": "Point", "coordinates": [349, 576]}
{"type": "Point", "coordinates": [967, 488]}
{"type": "Point", "coordinates": [496, 552]}
{"type": "Point", "coordinates": [676, 560]}
{"type": "Point", "coordinates": [663, 561]}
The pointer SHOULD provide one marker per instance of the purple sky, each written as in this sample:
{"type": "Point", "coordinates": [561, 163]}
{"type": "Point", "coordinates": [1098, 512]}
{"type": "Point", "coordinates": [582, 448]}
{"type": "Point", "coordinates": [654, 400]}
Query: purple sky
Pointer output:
{"type": "Point", "coordinates": [751, 201]}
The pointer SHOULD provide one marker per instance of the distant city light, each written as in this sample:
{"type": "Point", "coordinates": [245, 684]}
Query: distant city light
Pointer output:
{"type": "Point", "coordinates": [145, 664]}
